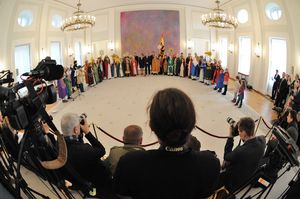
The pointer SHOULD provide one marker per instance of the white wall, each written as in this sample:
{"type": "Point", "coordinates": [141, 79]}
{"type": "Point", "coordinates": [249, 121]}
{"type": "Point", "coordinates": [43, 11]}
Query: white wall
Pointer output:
{"type": "Point", "coordinates": [39, 34]}
{"type": "Point", "coordinates": [259, 28]}
{"type": "Point", "coordinates": [107, 29]}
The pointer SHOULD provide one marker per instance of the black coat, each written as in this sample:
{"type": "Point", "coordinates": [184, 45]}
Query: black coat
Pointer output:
{"type": "Point", "coordinates": [243, 161]}
{"type": "Point", "coordinates": [85, 159]}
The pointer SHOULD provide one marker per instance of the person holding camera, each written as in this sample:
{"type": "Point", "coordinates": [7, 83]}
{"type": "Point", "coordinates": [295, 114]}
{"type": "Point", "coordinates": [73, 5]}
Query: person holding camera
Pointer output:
{"type": "Point", "coordinates": [173, 170]}
{"type": "Point", "coordinates": [241, 163]}
{"type": "Point", "coordinates": [83, 157]}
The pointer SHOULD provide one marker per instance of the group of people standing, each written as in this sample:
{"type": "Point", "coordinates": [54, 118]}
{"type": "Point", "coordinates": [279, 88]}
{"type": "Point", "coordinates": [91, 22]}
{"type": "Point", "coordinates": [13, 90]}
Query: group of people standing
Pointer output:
{"type": "Point", "coordinates": [201, 68]}
{"type": "Point", "coordinates": [285, 91]}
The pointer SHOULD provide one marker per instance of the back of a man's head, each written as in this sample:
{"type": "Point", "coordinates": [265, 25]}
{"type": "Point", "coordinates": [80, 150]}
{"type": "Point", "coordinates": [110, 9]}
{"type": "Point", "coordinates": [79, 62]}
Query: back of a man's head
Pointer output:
{"type": "Point", "coordinates": [133, 134]}
{"type": "Point", "coordinates": [68, 122]}
{"type": "Point", "coordinates": [247, 124]}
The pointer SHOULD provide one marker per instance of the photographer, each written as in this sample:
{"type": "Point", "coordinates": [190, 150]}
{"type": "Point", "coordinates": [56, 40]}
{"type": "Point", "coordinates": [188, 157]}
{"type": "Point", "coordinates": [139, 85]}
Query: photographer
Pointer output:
{"type": "Point", "coordinates": [83, 157]}
{"type": "Point", "coordinates": [242, 162]}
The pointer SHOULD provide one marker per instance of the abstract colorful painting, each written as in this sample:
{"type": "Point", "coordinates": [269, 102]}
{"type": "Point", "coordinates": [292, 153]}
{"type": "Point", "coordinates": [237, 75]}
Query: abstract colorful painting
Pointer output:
{"type": "Point", "coordinates": [141, 31]}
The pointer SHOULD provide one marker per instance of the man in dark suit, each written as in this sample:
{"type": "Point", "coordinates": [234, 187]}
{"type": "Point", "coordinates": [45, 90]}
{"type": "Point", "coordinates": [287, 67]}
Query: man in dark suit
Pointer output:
{"type": "Point", "coordinates": [84, 158]}
{"type": "Point", "coordinates": [242, 162]}
{"type": "Point", "coordinates": [142, 61]}
{"type": "Point", "coordinates": [147, 59]}
{"type": "Point", "coordinates": [275, 84]}
{"type": "Point", "coordinates": [283, 90]}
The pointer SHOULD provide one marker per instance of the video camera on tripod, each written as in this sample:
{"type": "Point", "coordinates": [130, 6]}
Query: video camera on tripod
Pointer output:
{"type": "Point", "coordinates": [24, 106]}
{"type": "Point", "coordinates": [287, 146]}
{"type": "Point", "coordinates": [23, 102]}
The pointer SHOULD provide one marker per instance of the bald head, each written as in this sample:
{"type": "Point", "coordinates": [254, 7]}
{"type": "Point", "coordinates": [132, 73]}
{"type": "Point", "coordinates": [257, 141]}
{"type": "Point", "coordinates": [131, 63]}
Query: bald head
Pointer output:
{"type": "Point", "coordinates": [133, 134]}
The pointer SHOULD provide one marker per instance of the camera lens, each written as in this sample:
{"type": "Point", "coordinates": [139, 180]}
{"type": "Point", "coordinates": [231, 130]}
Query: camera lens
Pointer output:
{"type": "Point", "coordinates": [82, 117]}
{"type": "Point", "coordinates": [230, 121]}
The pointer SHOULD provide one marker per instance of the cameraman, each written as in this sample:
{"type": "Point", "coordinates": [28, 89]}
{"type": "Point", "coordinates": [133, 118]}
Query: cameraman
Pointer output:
{"type": "Point", "coordinates": [242, 162]}
{"type": "Point", "coordinates": [83, 157]}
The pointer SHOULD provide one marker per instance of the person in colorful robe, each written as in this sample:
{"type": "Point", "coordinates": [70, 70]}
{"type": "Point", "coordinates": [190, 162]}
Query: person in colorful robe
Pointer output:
{"type": "Point", "coordinates": [117, 65]}
{"type": "Point", "coordinates": [67, 81]}
{"type": "Point", "coordinates": [95, 71]}
{"type": "Point", "coordinates": [155, 65]}
{"type": "Point", "coordinates": [86, 66]}
{"type": "Point", "coordinates": [106, 67]}
{"type": "Point", "coordinates": [220, 83]}
{"type": "Point", "coordinates": [81, 78]}
{"type": "Point", "coordinates": [100, 68]}
{"type": "Point", "coordinates": [170, 65]}
{"type": "Point", "coordinates": [134, 66]}
{"type": "Point", "coordinates": [62, 90]}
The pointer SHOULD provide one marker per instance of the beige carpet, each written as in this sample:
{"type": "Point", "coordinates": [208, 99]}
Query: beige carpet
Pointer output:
{"type": "Point", "coordinates": [116, 103]}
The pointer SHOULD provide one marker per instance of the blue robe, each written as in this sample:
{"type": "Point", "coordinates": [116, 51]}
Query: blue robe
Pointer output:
{"type": "Point", "coordinates": [220, 83]}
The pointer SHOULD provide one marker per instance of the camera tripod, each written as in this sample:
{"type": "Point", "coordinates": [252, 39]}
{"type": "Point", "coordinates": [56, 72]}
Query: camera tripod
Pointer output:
{"type": "Point", "coordinates": [262, 180]}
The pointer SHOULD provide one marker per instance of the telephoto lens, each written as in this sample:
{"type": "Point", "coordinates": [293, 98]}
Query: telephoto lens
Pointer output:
{"type": "Point", "coordinates": [82, 117]}
{"type": "Point", "coordinates": [230, 121]}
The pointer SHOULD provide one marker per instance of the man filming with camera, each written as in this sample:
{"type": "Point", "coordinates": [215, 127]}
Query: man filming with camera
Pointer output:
{"type": "Point", "coordinates": [241, 163]}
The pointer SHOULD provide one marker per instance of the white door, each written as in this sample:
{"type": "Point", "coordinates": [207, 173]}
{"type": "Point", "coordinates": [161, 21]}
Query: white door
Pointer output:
{"type": "Point", "coordinates": [22, 60]}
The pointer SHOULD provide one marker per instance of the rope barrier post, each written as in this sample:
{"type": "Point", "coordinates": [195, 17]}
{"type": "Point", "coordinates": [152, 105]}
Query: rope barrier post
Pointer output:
{"type": "Point", "coordinates": [95, 131]}
{"type": "Point", "coordinates": [268, 133]}
{"type": "Point", "coordinates": [260, 118]}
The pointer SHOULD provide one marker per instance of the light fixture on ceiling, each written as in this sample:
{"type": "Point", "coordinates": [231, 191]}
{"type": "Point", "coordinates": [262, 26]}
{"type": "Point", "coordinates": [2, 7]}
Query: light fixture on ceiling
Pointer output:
{"type": "Point", "coordinates": [78, 21]}
{"type": "Point", "coordinates": [219, 19]}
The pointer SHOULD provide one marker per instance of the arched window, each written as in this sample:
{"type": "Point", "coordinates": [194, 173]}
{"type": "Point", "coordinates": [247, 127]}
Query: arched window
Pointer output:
{"type": "Point", "coordinates": [243, 16]}
{"type": "Point", "coordinates": [25, 18]}
{"type": "Point", "coordinates": [273, 11]}
{"type": "Point", "coordinates": [56, 21]}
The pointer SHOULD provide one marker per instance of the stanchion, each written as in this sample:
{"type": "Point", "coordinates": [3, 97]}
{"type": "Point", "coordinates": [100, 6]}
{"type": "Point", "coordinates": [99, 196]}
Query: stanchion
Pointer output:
{"type": "Point", "coordinates": [259, 120]}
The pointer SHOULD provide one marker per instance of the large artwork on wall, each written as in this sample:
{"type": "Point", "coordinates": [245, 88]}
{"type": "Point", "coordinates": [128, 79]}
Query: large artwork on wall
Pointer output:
{"type": "Point", "coordinates": [141, 31]}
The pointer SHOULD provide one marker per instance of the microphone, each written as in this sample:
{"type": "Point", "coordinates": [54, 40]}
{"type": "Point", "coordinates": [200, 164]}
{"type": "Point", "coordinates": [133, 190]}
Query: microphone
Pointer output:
{"type": "Point", "coordinates": [47, 72]}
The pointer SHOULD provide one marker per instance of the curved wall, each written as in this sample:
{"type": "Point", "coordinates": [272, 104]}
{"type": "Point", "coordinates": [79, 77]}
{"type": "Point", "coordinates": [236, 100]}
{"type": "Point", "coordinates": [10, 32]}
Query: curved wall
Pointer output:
{"type": "Point", "coordinates": [107, 29]}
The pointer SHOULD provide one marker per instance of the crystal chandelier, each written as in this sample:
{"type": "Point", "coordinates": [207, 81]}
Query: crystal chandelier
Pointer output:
{"type": "Point", "coordinates": [78, 21]}
{"type": "Point", "coordinates": [219, 19]}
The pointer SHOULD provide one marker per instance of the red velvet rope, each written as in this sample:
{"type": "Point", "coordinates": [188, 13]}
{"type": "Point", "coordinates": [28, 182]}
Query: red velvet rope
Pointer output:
{"type": "Point", "coordinates": [146, 145]}
{"type": "Point", "coordinates": [216, 136]}
{"type": "Point", "coordinates": [121, 141]}
{"type": "Point", "coordinates": [266, 123]}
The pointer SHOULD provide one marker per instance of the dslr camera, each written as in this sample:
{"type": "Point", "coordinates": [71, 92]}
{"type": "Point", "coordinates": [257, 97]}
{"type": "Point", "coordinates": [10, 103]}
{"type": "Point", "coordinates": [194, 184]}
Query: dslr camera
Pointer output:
{"type": "Point", "coordinates": [234, 125]}
{"type": "Point", "coordinates": [83, 116]}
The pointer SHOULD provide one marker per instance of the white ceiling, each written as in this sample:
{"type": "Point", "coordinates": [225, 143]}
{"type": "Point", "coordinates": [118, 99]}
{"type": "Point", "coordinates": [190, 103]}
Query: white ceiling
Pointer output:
{"type": "Point", "coordinates": [95, 5]}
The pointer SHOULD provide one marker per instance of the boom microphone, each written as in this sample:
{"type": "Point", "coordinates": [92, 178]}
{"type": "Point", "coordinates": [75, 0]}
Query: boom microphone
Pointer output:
{"type": "Point", "coordinates": [47, 72]}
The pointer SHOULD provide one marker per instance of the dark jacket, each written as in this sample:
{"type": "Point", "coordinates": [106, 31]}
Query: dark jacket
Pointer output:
{"type": "Point", "coordinates": [243, 161]}
{"type": "Point", "coordinates": [85, 159]}
{"type": "Point", "coordinates": [292, 130]}
{"type": "Point", "coordinates": [161, 174]}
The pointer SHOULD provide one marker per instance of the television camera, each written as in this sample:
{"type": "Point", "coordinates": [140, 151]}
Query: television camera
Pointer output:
{"type": "Point", "coordinates": [24, 106]}
{"type": "Point", "coordinates": [24, 102]}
